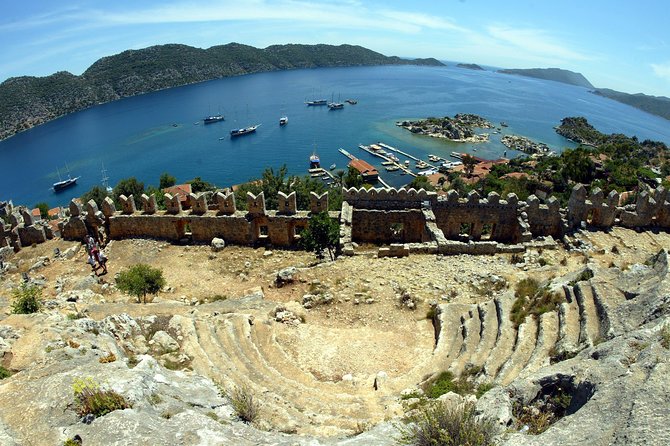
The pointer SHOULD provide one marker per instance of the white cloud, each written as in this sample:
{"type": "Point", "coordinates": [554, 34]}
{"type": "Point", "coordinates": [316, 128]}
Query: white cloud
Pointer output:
{"type": "Point", "coordinates": [535, 43]}
{"type": "Point", "coordinates": [662, 70]}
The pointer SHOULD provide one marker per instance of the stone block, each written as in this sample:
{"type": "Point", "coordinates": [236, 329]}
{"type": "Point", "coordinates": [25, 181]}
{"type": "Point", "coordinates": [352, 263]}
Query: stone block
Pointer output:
{"type": "Point", "coordinates": [318, 203]}
{"type": "Point", "coordinates": [149, 204]}
{"type": "Point", "coordinates": [226, 203]}
{"type": "Point", "coordinates": [15, 219]}
{"type": "Point", "coordinates": [286, 203]}
{"type": "Point", "coordinates": [28, 218]}
{"type": "Point", "coordinates": [75, 208]}
{"type": "Point", "coordinates": [198, 203]}
{"type": "Point", "coordinates": [127, 204]}
{"type": "Point", "coordinates": [256, 204]}
{"type": "Point", "coordinates": [172, 204]}
{"type": "Point", "coordinates": [108, 207]}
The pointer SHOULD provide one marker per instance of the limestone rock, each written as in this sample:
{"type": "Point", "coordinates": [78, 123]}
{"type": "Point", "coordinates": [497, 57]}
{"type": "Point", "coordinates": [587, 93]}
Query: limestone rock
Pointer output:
{"type": "Point", "coordinates": [217, 244]}
{"type": "Point", "coordinates": [286, 276]}
{"type": "Point", "coordinates": [163, 342]}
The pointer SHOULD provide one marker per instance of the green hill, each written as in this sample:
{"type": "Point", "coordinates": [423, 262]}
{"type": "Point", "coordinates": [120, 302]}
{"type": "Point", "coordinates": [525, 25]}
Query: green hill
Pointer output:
{"type": "Point", "coordinates": [28, 101]}
{"type": "Point", "coordinates": [552, 74]}
{"type": "Point", "coordinates": [656, 105]}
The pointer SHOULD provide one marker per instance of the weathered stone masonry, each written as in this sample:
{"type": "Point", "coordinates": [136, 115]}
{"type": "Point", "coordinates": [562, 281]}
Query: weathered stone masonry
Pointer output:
{"type": "Point", "coordinates": [408, 220]}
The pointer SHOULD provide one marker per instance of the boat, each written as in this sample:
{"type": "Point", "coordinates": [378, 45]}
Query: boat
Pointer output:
{"type": "Point", "coordinates": [351, 101]}
{"type": "Point", "coordinates": [421, 164]}
{"type": "Point", "coordinates": [333, 166]}
{"type": "Point", "coordinates": [433, 158]}
{"type": "Point", "coordinates": [406, 162]}
{"type": "Point", "coordinates": [213, 118]}
{"type": "Point", "coordinates": [105, 180]}
{"type": "Point", "coordinates": [64, 184]}
{"type": "Point", "coordinates": [392, 168]}
{"type": "Point", "coordinates": [314, 161]}
{"type": "Point", "coordinates": [243, 130]}
{"type": "Point", "coordinates": [316, 102]}
{"type": "Point", "coordinates": [503, 124]}
{"type": "Point", "coordinates": [335, 105]}
{"type": "Point", "coordinates": [283, 120]}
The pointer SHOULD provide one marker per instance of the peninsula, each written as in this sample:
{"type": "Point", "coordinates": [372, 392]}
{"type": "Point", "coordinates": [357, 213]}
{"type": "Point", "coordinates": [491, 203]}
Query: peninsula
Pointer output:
{"type": "Point", "coordinates": [460, 128]}
{"type": "Point", "coordinates": [552, 74]}
{"type": "Point", "coordinates": [28, 101]}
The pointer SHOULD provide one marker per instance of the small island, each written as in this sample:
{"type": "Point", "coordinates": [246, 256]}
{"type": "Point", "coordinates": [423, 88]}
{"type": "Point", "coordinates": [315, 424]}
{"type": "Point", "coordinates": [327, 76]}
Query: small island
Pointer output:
{"type": "Point", "coordinates": [460, 128]}
{"type": "Point", "coordinates": [526, 145]}
{"type": "Point", "coordinates": [471, 66]}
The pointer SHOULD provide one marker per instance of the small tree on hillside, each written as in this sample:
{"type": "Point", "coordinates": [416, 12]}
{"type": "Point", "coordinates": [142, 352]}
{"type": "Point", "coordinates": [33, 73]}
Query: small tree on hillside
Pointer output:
{"type": "Point", "coordinates": [140, 280]}
{"type": "Point", "coordinates": [166, 180]}
{"type": "Point", "coordinates": [322, 234]}
{"type": "Point", "coordinates": [129, 186]}
{"type": "Point", "coordinates": [44, 210]}
{"type": "Point", "coordinates": [469, 163]}
{"type": "Point", "coordinates": [97, 194]}
{"type": "Point", "coordinates": [27, 299]}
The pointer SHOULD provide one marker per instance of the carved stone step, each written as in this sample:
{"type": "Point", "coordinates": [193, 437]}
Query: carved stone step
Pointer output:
{"type": "Point", "coordinates": [588, 314]}
{"type": "Point", "coordinates": [546, 340]}
{"type": "Point", "coordinates": [523, 348]}
{"type": "Point", "coordinates": [470, 329]}
{"type": "Point", "coordinates": [506, 336]}
{"type": "Point", "coordinates": [488, 335]}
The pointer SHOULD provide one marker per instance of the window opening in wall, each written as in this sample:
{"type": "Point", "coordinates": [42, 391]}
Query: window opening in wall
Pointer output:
{"type": "Point", "coordinates": [487, 231]}
{"type": "Point", "coordinates": [297, 230]}
{"type": "Point", "coordinates": [262, 231]}
{"type": "Point", "coordinates": [465, 230]}
{"type": "Point", "coordinates": [397, 231]}
{"type": "Point", "coordinates": [589, 217]}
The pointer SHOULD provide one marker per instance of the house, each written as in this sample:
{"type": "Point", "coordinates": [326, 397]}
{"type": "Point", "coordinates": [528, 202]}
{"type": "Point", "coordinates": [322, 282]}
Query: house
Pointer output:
{"type": "Point", "coordinates": [367, 171]}
{"type": "Point", "coordinates": [37, 215]}
{"type": "Point", "coordinates": [179, 190]}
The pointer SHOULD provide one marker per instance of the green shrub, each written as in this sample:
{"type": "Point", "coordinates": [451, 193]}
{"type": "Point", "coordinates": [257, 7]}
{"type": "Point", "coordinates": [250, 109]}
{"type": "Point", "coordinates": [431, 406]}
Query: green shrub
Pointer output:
{"type": "Point", "coordinates": [244, 404]}
{"type": "Point", "coordinates": [27, 299]}
{"type": "Point", "coordinates": [4, 373]}
{"type": "Point", "coordinates": [140, 280]}
{"type": "Point", "coordinates": [71, 442]}
{"type": "Point", "coordinates": [445, 383]}
{"type": "Point", "coordinates": [665, 336]}
{"type": "Point", "coordinates": [532, 299]}
{"type": "Point", "coordinates": [91, 399]}
{"type": "Point", "coordinates": [438, 424]}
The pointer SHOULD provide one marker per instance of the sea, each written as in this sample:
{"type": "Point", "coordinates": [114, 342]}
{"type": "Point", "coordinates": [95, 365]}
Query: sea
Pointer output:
{"type": "Point", "coordinates": [163, 131]}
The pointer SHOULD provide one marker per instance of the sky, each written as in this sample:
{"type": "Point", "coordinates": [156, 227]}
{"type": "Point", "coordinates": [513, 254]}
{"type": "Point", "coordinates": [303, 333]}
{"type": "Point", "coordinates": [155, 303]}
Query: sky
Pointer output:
{"type": "Point", "coordinates": [623, 45]}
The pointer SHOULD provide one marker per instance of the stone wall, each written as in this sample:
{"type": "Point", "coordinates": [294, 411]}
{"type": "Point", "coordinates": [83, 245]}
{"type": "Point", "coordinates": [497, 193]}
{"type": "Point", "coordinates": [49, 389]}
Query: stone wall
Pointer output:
{"type": "Point", "coordinates": [419, 221]}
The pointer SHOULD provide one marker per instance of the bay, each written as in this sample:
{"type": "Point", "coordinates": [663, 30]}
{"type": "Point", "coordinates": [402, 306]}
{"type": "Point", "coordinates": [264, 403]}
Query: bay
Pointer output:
{"type": "Point", "coordinates": [147, 135]}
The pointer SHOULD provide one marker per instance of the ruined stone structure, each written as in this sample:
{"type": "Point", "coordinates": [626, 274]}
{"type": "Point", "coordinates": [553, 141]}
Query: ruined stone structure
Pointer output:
{"type": "Point", "coordinates": [409, 220]}
{"type": "Point", "coordinates": [23, 230]}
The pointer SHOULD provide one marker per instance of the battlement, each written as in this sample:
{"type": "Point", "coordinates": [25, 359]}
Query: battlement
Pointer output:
{"type": "Point", "coordinates": [420, 218]}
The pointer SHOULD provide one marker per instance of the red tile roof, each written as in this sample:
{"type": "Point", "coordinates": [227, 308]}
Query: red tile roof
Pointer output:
{"type": "Point", "coordinates": [54, 212]}
{"type": "Point", "coordinates": [36, 212]}
{"type": "Point", "coordinates": [179, 190]}
{"type": "Point", "coordinates": [363, 167]}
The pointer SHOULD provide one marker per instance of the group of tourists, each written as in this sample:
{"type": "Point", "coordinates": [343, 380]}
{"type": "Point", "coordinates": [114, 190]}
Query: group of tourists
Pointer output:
{"type": "Point", "coordinates": [96, 257]}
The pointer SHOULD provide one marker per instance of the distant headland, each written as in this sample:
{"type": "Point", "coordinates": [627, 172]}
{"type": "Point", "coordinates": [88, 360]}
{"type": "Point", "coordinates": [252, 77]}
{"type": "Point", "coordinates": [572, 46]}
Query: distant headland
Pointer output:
{"type": "Point", "coordinates": [28, 101]}
{"type": "Point", "coordinates": [655, 105]}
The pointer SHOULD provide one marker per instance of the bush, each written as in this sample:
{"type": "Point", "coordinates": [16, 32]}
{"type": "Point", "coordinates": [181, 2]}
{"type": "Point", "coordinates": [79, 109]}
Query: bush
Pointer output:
{"type": "Point", "coordinates": [27, 299]}
{"type": "Point", "coordinates": [445, 383]}
{"type": "Point", "coordinates": [439, 424]}
{"type": "Point", "coordinates": [91, 399]}
{"type": "Point", "coordinates": [4, 373]}
{"type": "Point", "coordinates": [532, 299]}
{"type": "Point", "coordinates": [140, 280]}
{"type": "Point", "coordinates": [244, 404]}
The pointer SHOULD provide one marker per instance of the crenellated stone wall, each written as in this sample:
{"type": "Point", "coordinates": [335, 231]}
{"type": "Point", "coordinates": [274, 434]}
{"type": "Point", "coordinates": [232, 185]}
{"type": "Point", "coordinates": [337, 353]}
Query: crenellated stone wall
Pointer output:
{"type": "Point", "coordinates": [418, 221]}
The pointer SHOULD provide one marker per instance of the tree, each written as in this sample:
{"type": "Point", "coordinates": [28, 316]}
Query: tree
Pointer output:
{"type": "Point", "coordinates": [469, 164]}
{"type": "Point", "coordinates": [200, 185]}
{"type": "Point", "coordinates": [322, 234]}
{"type": "Point", "coordinates": [166, 180]}
{"type": "Point", "coordinates": [44, 210]}
{"type": "Point", "coordinates": [140, 280]}
{"type": "Point", "coordinates": [353, 178]}
{"type": "Point", "coordinates": [97, 194]}
{"type": "Point", "coordinates": [27, 299]}
{"type": "Point", "coordinates": [421, 182]}
{"type": "Point", "coordinates": [129, 186]}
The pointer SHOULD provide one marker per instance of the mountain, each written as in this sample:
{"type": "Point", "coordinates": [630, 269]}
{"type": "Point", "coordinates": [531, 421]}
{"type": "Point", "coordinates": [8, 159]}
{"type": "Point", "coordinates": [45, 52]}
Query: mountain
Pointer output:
{"type": "Point", "coordinates": [28, 101]}
{"type": "Point", "coordinates": [552, 74]}
{"type": "Point", "coordinates": [656, 105]}
{"type": "Point", "coordinates": [471, 66]}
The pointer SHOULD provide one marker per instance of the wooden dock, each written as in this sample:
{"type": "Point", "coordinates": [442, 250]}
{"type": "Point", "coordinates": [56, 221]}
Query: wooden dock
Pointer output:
{"type": "Point", "coordinates": [387, 159]}
{"type": "Point", "coordinates": [407, 155]}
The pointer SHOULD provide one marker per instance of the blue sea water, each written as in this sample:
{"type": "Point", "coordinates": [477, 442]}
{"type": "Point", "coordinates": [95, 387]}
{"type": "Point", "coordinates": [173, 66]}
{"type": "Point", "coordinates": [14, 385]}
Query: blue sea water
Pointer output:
{"type": "Point", "coordinates": [138, 137]}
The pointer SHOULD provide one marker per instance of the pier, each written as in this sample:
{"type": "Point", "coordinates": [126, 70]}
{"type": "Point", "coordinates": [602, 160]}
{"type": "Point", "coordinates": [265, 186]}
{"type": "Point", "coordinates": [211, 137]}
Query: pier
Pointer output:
{"type": "Point", "coordinates": [407, 155]}
{"type": "Point", "coordinates": [391, 162]}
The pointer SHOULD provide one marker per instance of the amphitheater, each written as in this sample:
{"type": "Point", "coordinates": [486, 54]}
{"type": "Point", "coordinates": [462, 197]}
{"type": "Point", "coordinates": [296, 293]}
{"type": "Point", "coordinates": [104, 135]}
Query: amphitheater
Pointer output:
{"type": "Point", "coordinates": [335, 351]}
